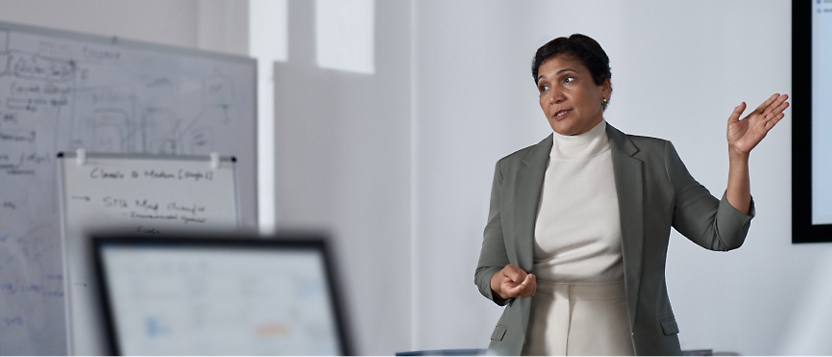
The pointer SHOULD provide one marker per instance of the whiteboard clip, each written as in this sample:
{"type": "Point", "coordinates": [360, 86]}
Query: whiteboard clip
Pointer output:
{"type": "Point", "coordinates": [81, 156]}
{"type": "Point", "coordinates": [215, 160]}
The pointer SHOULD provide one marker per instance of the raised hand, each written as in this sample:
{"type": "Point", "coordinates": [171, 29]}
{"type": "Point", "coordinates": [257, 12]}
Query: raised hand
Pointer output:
{"type": "Point", "coordinates": [743, 135]}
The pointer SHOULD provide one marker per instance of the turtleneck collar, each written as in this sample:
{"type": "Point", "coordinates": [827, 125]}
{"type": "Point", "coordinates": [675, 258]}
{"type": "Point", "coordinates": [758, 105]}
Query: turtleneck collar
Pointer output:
{"type": "Point", "coordinates": [582, 146]}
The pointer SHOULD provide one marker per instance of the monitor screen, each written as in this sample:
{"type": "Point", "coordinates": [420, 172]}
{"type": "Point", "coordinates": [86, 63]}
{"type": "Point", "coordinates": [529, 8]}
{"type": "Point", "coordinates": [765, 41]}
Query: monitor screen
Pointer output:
{"type": "Point", "coordinates": [174, 296]}
{"type": "Point", "coordinates": [821, 112]}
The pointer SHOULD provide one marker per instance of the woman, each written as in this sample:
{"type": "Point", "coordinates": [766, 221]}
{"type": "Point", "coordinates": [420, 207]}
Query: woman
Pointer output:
{"type": "Point", "coordinates": [577, 233]}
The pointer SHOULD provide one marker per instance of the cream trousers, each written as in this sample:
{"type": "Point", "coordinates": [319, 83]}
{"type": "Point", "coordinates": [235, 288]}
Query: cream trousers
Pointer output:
{"type": "Point", "coordinates": [578, 319]}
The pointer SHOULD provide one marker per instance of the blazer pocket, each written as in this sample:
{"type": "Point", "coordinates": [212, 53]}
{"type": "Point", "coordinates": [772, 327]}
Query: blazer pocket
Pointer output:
{"type": "Point", "coordinates": [669, 326]}
{"type": "Point", "coordinates": [499, 332]}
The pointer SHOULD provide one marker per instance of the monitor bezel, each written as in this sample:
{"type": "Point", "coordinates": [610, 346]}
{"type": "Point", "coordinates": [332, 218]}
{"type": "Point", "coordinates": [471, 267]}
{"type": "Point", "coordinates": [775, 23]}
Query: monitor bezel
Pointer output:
{"type": "Point", "coordinates": [803, 231]}
{"type": "Point", "coordinates": [309, 242]}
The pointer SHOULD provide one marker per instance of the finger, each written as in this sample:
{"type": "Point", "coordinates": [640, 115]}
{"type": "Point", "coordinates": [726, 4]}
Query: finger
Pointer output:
{"type": "Point", "coordinates": [511, 291]}
{"type": "Point", "coordinates": [780, 108]}
{"type": "Point", "coordinates": [527, 287]}
{"type": "Point", "coordinates": [735, 115]}
{"type": "Point", "coordinates": [767, 125]}
{"type": "Point", "coordinates": [514, 289]}
{"type": "Point", "coordinates": [530, 280]}
{"type": "Point", "coordinates": [775, 114]}
{"type": "Point", "coordinates": [774, 106]}
{"type": "Point", "coordinates": [771, 123]}
{"type": "Point", "coordinates": [510, 288]}
{"type": "Point", "coordinates": [531, 288]}
{"type": "Point", "coordinates": [768, 102]}
{"type": "Point", "coordinates": [514, 273]}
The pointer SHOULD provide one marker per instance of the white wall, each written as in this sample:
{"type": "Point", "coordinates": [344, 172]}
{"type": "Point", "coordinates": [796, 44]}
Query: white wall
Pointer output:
{"type": "Point", "coordinates": [342, 157]}
{"type": "Point", "coordinates": [213, 25]}
{"type": "Point", "coordinates": [158, 21]}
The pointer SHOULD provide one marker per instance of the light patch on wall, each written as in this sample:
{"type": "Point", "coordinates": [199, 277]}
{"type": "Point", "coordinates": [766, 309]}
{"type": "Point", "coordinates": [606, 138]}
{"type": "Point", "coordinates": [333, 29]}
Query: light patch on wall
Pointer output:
{"type": "Point", "coordinates": [344, 33]}
{"type": "Point", "coordinates": [269, 29]}
{"type": "Point", "coordinates": [269, 43]}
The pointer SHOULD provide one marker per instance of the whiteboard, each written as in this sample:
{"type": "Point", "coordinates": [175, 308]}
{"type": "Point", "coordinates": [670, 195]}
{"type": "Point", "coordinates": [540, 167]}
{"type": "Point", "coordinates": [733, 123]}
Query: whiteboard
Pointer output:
{"type": "Point", "coordinates": [60, 91]}
{"type": "Point", "coordinates": [131, 194]}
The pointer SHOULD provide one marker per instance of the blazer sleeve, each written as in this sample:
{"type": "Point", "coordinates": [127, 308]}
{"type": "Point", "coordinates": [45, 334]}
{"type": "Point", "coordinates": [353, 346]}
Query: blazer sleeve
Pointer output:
{"type": "Point", "coordinates": [493, 256]}
{"type": "Point", "coordinates": [698, 215]}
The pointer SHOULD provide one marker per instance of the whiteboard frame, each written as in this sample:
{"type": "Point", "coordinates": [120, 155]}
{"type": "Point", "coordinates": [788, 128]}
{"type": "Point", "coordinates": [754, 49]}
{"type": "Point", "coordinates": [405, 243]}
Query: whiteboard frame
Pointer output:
{"type": "Point", "coordinates": [117, 41]}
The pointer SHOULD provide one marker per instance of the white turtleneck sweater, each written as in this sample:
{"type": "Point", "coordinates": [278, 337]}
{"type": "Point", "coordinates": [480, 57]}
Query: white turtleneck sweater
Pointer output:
{"type": "Point", "coordinates": [578, 230]}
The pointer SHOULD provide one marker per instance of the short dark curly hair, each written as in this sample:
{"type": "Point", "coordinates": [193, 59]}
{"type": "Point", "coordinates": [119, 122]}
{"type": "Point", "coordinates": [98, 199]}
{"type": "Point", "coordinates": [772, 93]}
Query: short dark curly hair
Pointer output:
{"type": "Point", "coordinates": [583, 48]}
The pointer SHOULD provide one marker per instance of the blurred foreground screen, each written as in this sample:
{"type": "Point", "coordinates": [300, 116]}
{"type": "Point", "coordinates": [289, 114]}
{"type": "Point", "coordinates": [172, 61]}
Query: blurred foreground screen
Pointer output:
{"type": "Point", "coordinates": [175, 296]}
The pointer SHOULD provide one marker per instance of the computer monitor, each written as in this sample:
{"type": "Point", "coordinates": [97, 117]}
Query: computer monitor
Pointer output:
{"type": "Point", "coordinates": [175, 295]}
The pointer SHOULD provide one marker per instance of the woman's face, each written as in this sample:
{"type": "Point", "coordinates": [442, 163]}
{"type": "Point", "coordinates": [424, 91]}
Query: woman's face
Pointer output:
{"type": "Point", "coordinates": [569, 97]}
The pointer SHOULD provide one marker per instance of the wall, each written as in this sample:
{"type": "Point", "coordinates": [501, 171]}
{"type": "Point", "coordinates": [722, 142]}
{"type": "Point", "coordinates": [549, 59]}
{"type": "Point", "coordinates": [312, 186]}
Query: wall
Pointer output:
{"type": "Point", "coordinates": [214, 25]}
{"type": "Point", "coordinates": [342, 158]}
{"type": "Point", "coordinates": [158, 21]}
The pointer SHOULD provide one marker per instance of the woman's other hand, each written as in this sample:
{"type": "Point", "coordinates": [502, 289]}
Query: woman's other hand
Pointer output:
{"type": "Point", "coordinates": [513, 282]}
{"type": "Point", "coordinates": [743, 135]}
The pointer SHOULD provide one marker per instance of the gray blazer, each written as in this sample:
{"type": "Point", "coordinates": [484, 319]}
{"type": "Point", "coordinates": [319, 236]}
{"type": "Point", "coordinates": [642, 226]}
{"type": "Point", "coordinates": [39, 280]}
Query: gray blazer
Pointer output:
{"type": "Point", "coordinates": [655, 192]}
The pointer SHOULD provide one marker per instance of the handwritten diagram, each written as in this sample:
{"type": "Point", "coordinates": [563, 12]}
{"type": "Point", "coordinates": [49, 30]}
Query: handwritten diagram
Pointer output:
{"type": "Point", "coordinates": [63, 91]}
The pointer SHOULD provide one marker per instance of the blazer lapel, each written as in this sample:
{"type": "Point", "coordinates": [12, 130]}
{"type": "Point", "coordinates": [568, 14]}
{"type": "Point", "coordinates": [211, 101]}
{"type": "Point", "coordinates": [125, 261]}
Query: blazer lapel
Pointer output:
{"type": "Point", "coordinates": [528, 185]}
{"type": "Point", "coordinates": [629, 184]}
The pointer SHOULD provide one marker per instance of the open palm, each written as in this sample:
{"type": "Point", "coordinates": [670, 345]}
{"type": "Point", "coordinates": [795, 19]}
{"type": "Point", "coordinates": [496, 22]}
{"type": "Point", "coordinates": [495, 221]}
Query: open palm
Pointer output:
{"type": "Point", "coordinates": [744, 134]}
